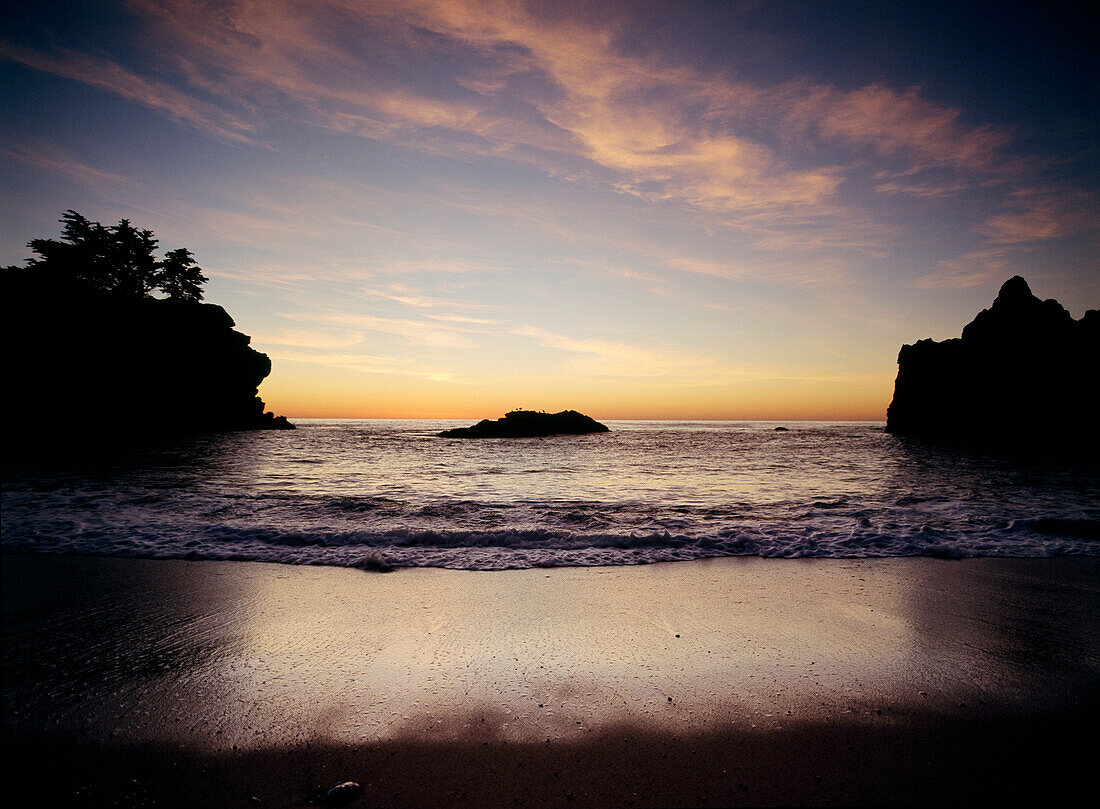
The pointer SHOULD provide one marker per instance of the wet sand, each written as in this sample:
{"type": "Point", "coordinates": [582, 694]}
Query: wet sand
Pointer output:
{"type": "Point", "coordinates": [722, 682]}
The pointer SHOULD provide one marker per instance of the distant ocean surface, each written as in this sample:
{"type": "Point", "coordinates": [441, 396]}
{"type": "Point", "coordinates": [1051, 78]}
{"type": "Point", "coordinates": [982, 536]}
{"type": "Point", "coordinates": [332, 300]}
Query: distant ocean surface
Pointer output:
{"type": "Point", "coordinates": [375, 494]}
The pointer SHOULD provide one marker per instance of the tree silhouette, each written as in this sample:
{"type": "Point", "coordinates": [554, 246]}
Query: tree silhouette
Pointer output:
{"type": "Point", "coordinates": [118, 260]}
{"type": "Point", "coordinates": [133, 265]}
{"type": "Point", "coordinates": [180, 278]}
{"type": "Point", "coordinates": [82, 258]}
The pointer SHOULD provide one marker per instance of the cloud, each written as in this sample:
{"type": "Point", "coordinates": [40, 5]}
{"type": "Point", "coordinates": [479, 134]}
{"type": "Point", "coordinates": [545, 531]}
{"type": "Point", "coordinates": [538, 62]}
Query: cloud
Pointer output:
{"type": "Point", "coordinates": [551, 87]}
{"type": "Point", "coordinates": [1025, 219]}
{"type": "Point", "coordinates": [366, 364]}
{"type": "Point", "coordinates": [604, 358]}
{"type": "Point", "coordinates": [407, 296]}
{"type": "Point", "coordinates": [307, 338]}
{"type": "Point", "coordinates": [178, 105]}
{"type": "Point", "coordinates": [819, 270]}
{"type": "Point", "coordinates": [978, 268]}
{"type": "Point", "coordinates": [415, 332]}
{"type": "Point", "coordinates": [924, 185]}
{"type": "Point", "coordinates": [50, 158]}
{"type": "Point", "coordinates": [1039, 215]}
{"type": "Point", "coordinates": [899, 123]}
{"type": "Point", "coordinates": [595, 357]}
{"type": "Point", "coordinates": [496, 78]}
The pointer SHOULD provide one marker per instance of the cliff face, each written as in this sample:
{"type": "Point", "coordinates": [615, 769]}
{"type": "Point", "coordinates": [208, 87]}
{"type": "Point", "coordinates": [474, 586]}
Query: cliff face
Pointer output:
{"type": "Point", "coordinates": [1023, 370]}
{"type": "Point", "coordinates": [82, 363]}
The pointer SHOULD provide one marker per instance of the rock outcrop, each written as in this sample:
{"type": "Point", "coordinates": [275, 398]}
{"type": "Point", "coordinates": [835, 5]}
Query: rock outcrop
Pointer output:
{"type": "Point", "coordinates": [79, 364]}
{"type": "Point", "coordinates": [1024, 371]}
{"type": "Point", "coordinates": [530, 424]}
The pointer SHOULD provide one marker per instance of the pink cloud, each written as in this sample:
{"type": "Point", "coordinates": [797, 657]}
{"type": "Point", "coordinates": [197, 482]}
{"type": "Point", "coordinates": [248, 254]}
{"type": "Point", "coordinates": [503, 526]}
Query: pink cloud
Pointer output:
{"type": "Point", "coordinates": [553, 90]}
{"type": "Point", "coordinates": [1031, 216]}
{"type": "Point", "coordinates": [893, 122]}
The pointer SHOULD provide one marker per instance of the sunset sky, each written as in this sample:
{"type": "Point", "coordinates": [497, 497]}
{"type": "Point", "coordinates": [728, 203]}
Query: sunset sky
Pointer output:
{"type": "Point", "coordinates": [448, 208]}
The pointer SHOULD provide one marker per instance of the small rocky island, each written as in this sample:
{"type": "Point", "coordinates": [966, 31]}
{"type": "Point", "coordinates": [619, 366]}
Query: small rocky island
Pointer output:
{"type": "Point", "coordinates": [1023, 373]}
{"type": "Point", "coordinates": [530, 424]}
{"type": "Point", "coordinates": [90, 354]}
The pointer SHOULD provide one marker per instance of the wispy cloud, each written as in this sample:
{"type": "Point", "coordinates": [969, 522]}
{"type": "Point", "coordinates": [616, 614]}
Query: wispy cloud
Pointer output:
{"type": "Point", "coordinates": [408, 296]}
{"type": "Point", "coordinates": [919, 182]}
{"type": "Point", "coordinates": [166, 98]}
{"type": "Point", "coordinates": [1037, 215]}
{"type": "Point", "coordinates": [773, 167]}
{"type": "Point", "coordinates": [307, 338]}
{"type": "Point", "coordinates": [366, 364]}
{"type": "Point", "coordinates": [596, 357]}
{"type": "Point", "coordinates": [47, 157]}
{"type": "Point", "coordinates": [899, 123]}
{"type": "Point", "coordinates": [593, 357]}
{"type": "Point", "coordinates": [606, 358]}
{"type": "Point", "coordinates": [978, 268]}
{"type": "Point", "coordinates": [822, 269]}
{"type": "Point", "coordinates": [413, 331]}
{"type": "Point", "coordinates": [497, 79]}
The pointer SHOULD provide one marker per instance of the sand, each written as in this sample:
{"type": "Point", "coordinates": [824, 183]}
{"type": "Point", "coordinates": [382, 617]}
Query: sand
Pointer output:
{"type": "Point", "coordinates": [723, 682]}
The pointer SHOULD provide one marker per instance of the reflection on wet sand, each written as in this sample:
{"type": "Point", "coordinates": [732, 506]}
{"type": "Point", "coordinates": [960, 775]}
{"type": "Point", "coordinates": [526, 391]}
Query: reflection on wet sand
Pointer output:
{"type": "Point", "coordinates": [224, 654]}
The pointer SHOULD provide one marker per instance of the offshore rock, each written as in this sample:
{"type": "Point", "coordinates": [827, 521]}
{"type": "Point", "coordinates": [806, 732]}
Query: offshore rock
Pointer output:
{"type": "Point", "coordinates": [95, 366]}
{"type": "Point", "coordinates": [343, 794]}
{"type": "Point", "coordinates": [530, 424]}
{"type": "Point", "coordinates": [1022, 372]}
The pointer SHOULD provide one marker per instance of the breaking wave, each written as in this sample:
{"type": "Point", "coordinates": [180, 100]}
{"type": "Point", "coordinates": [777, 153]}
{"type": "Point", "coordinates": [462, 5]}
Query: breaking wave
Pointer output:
{"type": "Point", "coordinates": [647, 493]}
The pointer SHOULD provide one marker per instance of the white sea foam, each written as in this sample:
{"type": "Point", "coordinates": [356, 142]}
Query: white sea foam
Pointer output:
{"type": "Point", "coordinates": [376, 495]}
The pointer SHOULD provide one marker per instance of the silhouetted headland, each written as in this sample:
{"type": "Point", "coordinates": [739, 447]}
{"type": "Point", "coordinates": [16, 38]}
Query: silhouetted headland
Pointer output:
{"type": "Point", "coordinates": [530, 424]}
{"type": "Point", "coordinates": [90, 353]}
{"type": "Point", "coordinates": [1022, 374]}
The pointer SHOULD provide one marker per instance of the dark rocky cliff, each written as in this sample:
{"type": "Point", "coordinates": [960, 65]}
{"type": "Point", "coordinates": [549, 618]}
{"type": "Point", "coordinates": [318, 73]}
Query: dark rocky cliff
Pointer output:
{"type": "Point", "coordinates": [81, 363]}
{"type": "Point", "coordinates": [1024, 371]}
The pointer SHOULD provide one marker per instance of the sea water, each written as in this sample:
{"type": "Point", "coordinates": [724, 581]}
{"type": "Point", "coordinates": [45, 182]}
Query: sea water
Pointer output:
{"type": "Point", "coordinates": [384, 494]}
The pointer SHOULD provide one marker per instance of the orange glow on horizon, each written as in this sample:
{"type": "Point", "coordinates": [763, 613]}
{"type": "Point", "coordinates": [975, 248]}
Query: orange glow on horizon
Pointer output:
{"type": "Point", "coordinates": [775, 401]}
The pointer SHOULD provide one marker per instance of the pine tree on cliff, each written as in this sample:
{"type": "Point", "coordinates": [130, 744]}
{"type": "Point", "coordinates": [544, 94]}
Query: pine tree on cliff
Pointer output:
{"type": "Point", "coordinates": [179, 277]}
{"type": "Point", "coordinates": [104, 338]}
{"type": "Point", "coordinates": [119, 260]}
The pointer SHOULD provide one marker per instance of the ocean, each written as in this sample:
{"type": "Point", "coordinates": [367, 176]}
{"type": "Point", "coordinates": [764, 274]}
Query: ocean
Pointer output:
{"type": "Point", "coordinates": [382, 494]}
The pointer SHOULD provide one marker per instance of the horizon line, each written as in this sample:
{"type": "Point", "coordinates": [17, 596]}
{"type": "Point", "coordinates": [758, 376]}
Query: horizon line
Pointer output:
{"type": "Point", "coordinates": [607, 418]}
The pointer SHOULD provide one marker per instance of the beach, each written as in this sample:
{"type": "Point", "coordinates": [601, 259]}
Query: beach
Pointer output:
{"type": "Point", "coordinates": [744, 681]}
{"type": "Point", "coordinates": [515, 404]}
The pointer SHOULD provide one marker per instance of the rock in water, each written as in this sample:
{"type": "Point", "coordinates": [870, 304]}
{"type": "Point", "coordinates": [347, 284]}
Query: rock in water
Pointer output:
{"type": "Point", "coordinates": [1023, 372]}
{"type": "Point", "coordinates": [343, 794]}
{"type": "Point", "coordinates": [530, 424]}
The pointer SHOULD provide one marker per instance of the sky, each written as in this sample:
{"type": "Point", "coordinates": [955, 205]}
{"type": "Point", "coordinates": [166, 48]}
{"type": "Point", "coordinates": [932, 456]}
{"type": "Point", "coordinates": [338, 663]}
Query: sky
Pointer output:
{"type": "Point", "coordinates": [687, 210]}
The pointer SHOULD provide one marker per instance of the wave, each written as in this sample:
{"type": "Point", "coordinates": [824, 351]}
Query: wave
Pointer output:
{"type": "Point", "coordinates": [511, 548]}
{"type": "Point", "coordinates": [646, 493]}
